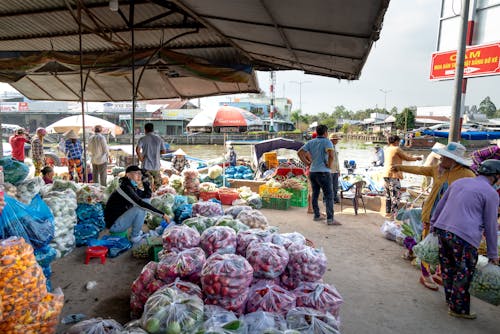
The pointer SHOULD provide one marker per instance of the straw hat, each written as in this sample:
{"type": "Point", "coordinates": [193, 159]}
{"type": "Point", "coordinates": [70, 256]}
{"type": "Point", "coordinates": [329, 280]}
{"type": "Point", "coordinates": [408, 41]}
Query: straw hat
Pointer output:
{"type": "Point", "coordinates": [70, 135]}
{"type": "Point", "coordinates": [454, 151]}
{"type": "Point", "coordinates": [179, 152]}
{"type": "Point", "coordinates": [334, 136]}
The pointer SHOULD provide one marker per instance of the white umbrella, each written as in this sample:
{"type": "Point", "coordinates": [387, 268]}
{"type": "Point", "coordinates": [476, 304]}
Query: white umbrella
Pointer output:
{"type": "Point", "coordinates": [75, 123]}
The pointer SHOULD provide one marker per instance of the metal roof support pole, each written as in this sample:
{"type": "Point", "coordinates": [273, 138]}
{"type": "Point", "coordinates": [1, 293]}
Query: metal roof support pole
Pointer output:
{"type": "Point", "coordinates": [454, 134]}
{"type": "Point", "coordinates": [82, 89]}
{"type": "Point", "coordinates": [134, 90]}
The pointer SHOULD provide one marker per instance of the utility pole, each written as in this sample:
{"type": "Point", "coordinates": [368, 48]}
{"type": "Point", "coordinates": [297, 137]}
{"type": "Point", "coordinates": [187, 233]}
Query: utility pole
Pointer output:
{"type": "Point", "coordinates": [300, 83]}
{"type": "Point", "coordinates": [385, 97]}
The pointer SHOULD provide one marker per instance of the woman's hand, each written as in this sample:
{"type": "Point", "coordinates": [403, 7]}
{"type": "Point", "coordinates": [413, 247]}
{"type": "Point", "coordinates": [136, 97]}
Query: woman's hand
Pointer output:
{"type": "Point", "coordinates": [166, 217]}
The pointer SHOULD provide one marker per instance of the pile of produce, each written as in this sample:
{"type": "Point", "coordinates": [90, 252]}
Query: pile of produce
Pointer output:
{"type": "Point", "coordinates": [218, 239]}
{"type": "Point", "coordinates": [305, 264]}
{"type": "Point", "coordinates": [270, 297]}
{"type": "Point", "coordinates": [13, 170]}
{"type": "Point", "coordinates": [207, 209]}
{"type": "Point", "coordinates": [90, 193]}
{"type": "Point", "coordinates": [308, 320]}
{"type": "Point", "coordinates": [185, 265]}
{"type": "Point", "coordinates": [280, 193]}
{"type": "Point", "coordinates": [200, 223]}
{"type": "Point", "coordinates": [225, 280]}
{"type": "Point", "coordinates": [219, 320]}
{"type": "Point", "coordinates": [294, 183]}
{"type": "Point", "coordinates": [172, 311]}
{"type": "Point", "coordinates": [165, 189]}
{"type": "Point", "coordinates": [63, 206]}
{"type": "Point", "coordinates": [180, 237]}
{"type": "Point", "coordinates": [235, 210]}
{"type": "Point", "coordinates": [26, 305]}
{"type": "Point", "coordinates": [191, 182]}
{"type": "Point", "coordinates": [95, 326]}
{"type": "Point", "coordinates": [267, 259]}
{"type": "Point", "coordinates": [486, 283]}
{"type": "Point", "coordinates": [287, 239]}
{"type": "Point", "coordinates": [92, 214]}
{"type": "Point", "coordinates": [208, 187]}
{"type": "Point", "coordinates": [265, 322]}
{"type": "Point", "coordinates": [176, 182]}
{"type": "Point", "coordinates": [239, 172]}
{"type": "Point", "coordinates": [29, 188]}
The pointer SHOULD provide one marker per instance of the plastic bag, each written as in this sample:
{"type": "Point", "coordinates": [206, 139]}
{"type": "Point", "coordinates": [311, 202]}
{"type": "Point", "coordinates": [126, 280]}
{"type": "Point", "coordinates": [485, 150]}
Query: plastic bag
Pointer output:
{"type": "Point", "coordinates": [310, 321]}
{"type": "Point", "coordinates": [95, 326]}
{"type": "Point", "coordinates": [207, 209]}
{"type": "Point", "coordinates": [229, 221]}
{"type": "Point", "coordinates": [169, 310]}
{"type": "Point", "coordinates": [45, 255]}
{"type": "Point", "coordinates": [34, 222]}
{"type": "Point", "coordinates": [288, 239]}
{"type": "Point", "coordinates": [305, 264]}
{"type": "Point", "coordinates": [116, 245]}
{"type": "Point", "coordinates": [319, 296]}
{"type": "Point", "coordinates": [270, 297]}
{"type": "Point", "coordinates": [391, 230]}
{"type": "Point", "coordinates": [254, 201]}
{"type": "Point", "coordinates": [180, 237]}
{"type": "Point", "coordinates": [29, 188]}
{"type": "Point", "coordinates": [132, 327]}
{"type": "Point", "coordinates": [219, 320]}
{"type": "Point", "coordinates": [91, 214]}
{"type": "Point", "coordinates": [253, 219]}
{"type": "Point", "coordinates": [244, 238]}
{"type": "Point", "coordinates": [267, 259]}
{"type": "Point", "coordinates": [186, 265]}
{"type": "Point", "coordinates": [84, 233]}
{"type": "Point", "coordinates": [236, 209]}
{"type": "Point", "coordinates": [226, 271]}
{"type": "Point", "coordinates": [428, 249]}
{"type": "Point", "coordinates": [14, 171]}
{"type": "Point", "coordinates": [200, 223]}
{"type": "Point", "coordinates": [218, 239]}
{"type": "Point", "coordinates": [262, 322]}
{"type": "Point", "coordinates": [486, 284]}
{"type": "Point", "coordinates": [183, 212]}
{"type": "Point", "coordinates": [90, 193]}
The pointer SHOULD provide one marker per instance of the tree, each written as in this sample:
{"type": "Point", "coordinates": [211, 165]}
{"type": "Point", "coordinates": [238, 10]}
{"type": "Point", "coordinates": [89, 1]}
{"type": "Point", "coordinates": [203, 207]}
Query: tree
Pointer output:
{"type": "Point", "coordinates": [405, 119]}
{"type": "Point", "coordinates": [487, 107]}
{"type": "Point", "coordinates": [295, 117]}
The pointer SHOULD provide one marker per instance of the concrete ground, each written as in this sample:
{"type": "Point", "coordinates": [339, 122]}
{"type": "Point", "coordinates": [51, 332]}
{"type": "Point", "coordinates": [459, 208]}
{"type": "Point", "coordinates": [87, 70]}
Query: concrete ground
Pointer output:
{"type": "Point", "coordinates": [380, 289]}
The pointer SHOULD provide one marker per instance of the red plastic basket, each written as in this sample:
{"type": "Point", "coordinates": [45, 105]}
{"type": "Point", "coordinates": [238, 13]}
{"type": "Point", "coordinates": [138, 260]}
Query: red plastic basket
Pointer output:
{"type": "Point", "coordinates": [228, 198]}
{"type": "Point", "coordinates": [206, 195]}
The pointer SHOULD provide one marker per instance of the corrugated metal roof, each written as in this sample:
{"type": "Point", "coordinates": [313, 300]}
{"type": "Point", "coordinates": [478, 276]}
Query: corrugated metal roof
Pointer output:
{"type": "Point", "coordinates": [324, 37]}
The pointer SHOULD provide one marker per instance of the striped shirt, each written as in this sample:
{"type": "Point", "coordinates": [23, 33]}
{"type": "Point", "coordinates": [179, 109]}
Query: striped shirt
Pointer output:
{"type": "Point", "coordinates": [478, 156]}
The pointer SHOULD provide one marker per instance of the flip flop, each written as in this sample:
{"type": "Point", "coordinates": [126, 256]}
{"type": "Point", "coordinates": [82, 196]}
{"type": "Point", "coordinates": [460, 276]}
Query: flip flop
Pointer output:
{"type": "Point", "coordinates": [429, 285]}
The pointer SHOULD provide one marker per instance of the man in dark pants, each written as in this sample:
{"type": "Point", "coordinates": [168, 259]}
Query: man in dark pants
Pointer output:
{"type": "Point", "coordinates": [318, 154]}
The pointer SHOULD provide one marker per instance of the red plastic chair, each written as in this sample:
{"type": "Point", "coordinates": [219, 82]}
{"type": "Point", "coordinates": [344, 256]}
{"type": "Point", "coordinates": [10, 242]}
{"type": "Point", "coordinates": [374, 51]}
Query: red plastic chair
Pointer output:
{"type": "Point", "coordinates": [96, 251]}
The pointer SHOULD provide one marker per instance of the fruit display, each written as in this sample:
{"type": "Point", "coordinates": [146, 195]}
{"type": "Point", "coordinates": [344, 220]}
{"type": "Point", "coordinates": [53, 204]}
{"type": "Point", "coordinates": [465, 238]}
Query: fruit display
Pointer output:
{"type": "Point", "coordinates": [305, 264]}
{"type": "Point", "coordinates": [186, 264]}
{"type": "Point", "coordinates": [207, 209]}
{"type": "Point", "coordinates": [270, 297]}
{"type": "Point", "coordinates": [319, 296]}
{"type": "Point", "coordinates": [172, 311]}
{"type": "Point", "coordinates": [268, 260]}
{"type": "Point", "coordinates": [218, 239]}
{"type": "Point", "coordinates": [180, 237]}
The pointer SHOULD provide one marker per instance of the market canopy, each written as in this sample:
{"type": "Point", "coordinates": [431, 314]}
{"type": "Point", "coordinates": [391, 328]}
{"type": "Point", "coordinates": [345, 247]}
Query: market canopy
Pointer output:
{"type": "Point", "coordinates": [75, 123]}
{"type": "Point", "coordinates": [227, 116]}
{"type": "Point", "coordinates": [181, 48]}
{"type": "Point", "coordinates": [274, 144]}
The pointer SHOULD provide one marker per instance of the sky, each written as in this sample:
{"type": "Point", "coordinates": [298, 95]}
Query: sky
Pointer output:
{"type": "Point", "coordinates": [399, 64]}
{"type": "Point", "coordinates": [396, 72]}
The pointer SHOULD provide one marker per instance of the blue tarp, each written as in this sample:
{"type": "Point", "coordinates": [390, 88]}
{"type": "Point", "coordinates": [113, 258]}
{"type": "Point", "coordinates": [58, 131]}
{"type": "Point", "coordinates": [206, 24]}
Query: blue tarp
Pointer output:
{"type": "Point", "coordinates": [467, 135]}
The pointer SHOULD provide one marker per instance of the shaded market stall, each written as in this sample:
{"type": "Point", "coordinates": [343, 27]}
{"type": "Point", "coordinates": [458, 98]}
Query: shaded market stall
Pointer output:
{"type": "Point", "coordinates": [75, 123]}
{"type": "Point", "coordinates": [232, 119]}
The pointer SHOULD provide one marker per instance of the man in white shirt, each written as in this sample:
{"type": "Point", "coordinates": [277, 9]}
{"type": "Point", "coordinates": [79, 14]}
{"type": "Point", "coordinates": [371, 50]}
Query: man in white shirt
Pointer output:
{"type": "Point", "coordinates": [99, 153]}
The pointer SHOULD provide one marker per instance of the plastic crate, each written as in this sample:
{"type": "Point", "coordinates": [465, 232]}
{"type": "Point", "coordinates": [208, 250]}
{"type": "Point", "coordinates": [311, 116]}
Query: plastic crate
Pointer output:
{"type": "Point", "coordinates": [299, 197]}
{"type": "Point", "coordinates": [227, 198]}
{"type": "Point", "coordinates": [206, 195]}
{"type": "Point", "coordinates": [271, 190]}
{"type": "Point", "coordinates": [276, 203]}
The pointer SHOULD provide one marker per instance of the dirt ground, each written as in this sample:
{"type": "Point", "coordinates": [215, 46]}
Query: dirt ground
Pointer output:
{"type": "Point", "coordinates": [380, 289]}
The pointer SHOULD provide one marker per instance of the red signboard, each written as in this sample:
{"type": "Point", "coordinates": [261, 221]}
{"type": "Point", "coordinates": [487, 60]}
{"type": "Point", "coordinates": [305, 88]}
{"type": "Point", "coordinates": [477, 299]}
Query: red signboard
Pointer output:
{"type": "Point", "coordinates": [479, 60]}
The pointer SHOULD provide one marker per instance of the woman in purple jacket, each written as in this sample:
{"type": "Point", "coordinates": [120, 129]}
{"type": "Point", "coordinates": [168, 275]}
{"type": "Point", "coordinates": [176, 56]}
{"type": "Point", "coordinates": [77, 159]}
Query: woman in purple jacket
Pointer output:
{"type": "Point", "coordinates": [467, 210]}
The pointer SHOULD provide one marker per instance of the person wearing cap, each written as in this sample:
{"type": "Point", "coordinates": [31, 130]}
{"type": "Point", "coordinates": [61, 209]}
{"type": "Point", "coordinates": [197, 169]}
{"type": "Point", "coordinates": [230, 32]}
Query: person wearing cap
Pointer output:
{"type": "Point", "coordinates": [74, 150]}
{"type": "Point", "coordinates": [37, 154]}
{"type": "Point", "coordinates": [452, 166]}
{"type": "Point", "coordinates": [394, 155]}
{"type": "Point", "coordinates": [149, 149]}
{"type": "Point", "coordinates": [17, 142]}
{"type": "Point", "coordinates": [467, 210]}
{"type": "Point", "coordinates": [335, 168]}
{"type": "Point", "coordinates": [128, 204]}
{"type": "Point", "coordinates": [378, 156]}
{"type": "Point", "coordinates": [99, 156]}
{"type": "Point", "coordinates": [318, 154]}
{"type": "Point", "coordinates": [179, 161]}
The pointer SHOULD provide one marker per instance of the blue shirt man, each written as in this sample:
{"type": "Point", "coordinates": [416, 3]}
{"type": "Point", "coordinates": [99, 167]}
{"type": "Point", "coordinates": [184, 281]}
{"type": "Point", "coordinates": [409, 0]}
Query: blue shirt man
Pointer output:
{"type": "Point", "coordinates": [318, 155]}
